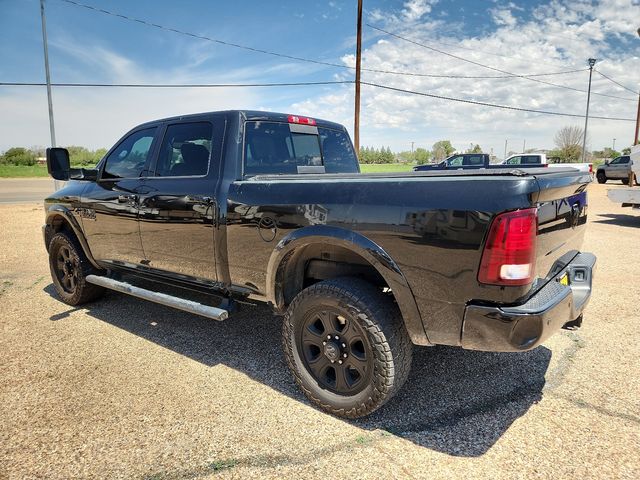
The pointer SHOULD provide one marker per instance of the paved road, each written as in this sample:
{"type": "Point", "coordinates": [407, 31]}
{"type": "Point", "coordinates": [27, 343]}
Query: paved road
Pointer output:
{"type": "Point", "coordinates": [123, 388]}
{"type": "Point", "coordinates": [21, 190]}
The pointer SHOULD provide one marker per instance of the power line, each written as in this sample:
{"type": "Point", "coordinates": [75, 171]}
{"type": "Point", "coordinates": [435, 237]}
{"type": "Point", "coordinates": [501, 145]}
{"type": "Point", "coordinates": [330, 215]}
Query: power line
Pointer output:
{"type": "Point", "coordinates": [290, 84]}
{"type": "Point", "coordinates": [302, 59]}
{"type": "Point", "coordinates": [174, 85]}
{"type": "Point", "coordinates": [486, 104]}
{"type": "Point", "coordinates": [617, 83]}
{"type": "Point", "coordinates": [457, 57]}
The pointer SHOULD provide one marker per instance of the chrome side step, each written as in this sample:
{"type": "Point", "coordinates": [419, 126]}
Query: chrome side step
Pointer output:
{"type": "Point", "coordinates": [161, 298]}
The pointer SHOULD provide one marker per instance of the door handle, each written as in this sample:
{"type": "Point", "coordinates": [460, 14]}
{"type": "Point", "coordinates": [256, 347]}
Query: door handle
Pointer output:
{"type": "Point", "coordinates": [130, 199]}
{"type": "Point", "coordinates": [195, 199]}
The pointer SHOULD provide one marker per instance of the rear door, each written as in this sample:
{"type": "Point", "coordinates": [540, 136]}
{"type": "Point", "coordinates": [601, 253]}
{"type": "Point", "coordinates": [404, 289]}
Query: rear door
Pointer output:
{"type": "Point", "coordinates": [618, 167]}
{"type": "Point", "coordinates": [178, 203]}
{"type": "Point", "coordinates": [110, 221]}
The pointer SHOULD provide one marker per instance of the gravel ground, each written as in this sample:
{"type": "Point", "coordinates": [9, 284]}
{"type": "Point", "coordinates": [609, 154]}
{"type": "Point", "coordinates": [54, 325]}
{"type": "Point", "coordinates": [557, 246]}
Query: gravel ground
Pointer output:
{"type": "Point", "coordinates": [123, 388]}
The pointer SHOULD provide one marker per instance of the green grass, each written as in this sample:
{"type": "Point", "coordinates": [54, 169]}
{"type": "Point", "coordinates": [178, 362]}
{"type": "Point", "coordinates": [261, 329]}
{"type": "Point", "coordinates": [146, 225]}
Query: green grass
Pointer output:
{"type": "Point", "coordinates": [19, 171]}
{"type": "Point", "coordinates": [8, 171]}
{"type": "Point", "coordinates": [385, 167]}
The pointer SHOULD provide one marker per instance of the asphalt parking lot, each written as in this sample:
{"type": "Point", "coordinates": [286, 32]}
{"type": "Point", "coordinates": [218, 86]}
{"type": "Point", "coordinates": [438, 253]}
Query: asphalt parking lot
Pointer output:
{"type": "Point", "coordinates": [123, 388]}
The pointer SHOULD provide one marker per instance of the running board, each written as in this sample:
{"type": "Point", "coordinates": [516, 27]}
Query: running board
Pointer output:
{"type": "Point", "coordinates": [161, 298]}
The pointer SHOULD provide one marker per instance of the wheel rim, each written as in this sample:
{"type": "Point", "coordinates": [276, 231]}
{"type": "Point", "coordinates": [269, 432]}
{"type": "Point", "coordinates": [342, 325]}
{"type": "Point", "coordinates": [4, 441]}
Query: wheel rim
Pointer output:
{"type": "Point", "coordinates": [335, 351]}
{"type": "Point", "coordinates": [66, 269]}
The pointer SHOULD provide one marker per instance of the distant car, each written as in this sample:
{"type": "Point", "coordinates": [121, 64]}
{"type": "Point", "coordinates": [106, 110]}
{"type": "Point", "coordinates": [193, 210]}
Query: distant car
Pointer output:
{"type": "Point", "coordinates": [540, 160]}
{"type": "Point", "coordinates": [617, 169]}
{"type": "Point", "coordinates": [458, 161]}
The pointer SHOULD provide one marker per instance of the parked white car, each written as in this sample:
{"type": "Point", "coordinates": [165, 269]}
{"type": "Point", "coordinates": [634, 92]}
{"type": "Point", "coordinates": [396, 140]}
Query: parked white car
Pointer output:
{"type": "Point", "coordinates": [541, 159]}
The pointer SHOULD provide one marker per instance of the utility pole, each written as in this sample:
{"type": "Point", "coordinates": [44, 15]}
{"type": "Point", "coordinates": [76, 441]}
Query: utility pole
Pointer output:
{"type": "Point", "coordinates": [52, 129]}
{"type": "Point", "coordinates": [614, 145]}
{"type": "Point", "coordinates": [46, 70]}
{"type": "Point", "coordinates": [524, 144]}
{"type": "Point", "coordinates": [635, 139]}
{"type": "Point", "coordinates": [356, 120]}
{"type": "Point", "coordinates": [592, 62]}
{"type": "Point", "coordinates": [412, 146]}
{"type": "Point", "coordinates": [505, 148]}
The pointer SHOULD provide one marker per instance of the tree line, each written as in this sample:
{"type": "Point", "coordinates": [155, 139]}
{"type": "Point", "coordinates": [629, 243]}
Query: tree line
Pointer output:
{"type": "Point", "coordinates": [78, 156]}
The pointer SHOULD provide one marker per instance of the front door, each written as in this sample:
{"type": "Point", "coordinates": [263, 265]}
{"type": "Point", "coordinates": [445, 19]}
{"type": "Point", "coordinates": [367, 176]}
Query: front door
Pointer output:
{"type": "Point", "coordinates": [110, 204]}
{"type": "Point", "coordinates": [178, 204]}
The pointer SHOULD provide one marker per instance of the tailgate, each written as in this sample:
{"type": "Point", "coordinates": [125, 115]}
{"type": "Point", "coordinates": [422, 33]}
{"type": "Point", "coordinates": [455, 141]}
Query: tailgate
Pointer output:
{"type": "Point", "coordinates": [562, 217]}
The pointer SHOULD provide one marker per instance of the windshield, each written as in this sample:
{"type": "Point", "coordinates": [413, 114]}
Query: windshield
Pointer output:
{"type": "Point", "coordinates": [271, 148]}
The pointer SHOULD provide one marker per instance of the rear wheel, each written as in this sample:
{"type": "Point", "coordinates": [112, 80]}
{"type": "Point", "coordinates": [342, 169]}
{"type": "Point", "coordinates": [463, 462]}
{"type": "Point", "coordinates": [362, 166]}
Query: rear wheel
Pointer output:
{"type": "Point", "coordinates": [346, 346]}
{"type": "Point", "coordinates": [69, 268]}
{"type": "Point", "coordinates": [625, 181]}
{"type": "Point", "coordinates": [601, 177]}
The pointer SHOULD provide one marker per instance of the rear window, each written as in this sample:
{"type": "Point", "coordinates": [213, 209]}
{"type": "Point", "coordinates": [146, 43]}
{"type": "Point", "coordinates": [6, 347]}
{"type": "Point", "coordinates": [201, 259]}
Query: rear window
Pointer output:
{"type": "Point", "coordinates": [271, 148]}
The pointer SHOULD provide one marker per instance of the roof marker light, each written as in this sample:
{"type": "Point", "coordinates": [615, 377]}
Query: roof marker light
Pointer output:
{"type": "Point", "coordinates": [301, 120]}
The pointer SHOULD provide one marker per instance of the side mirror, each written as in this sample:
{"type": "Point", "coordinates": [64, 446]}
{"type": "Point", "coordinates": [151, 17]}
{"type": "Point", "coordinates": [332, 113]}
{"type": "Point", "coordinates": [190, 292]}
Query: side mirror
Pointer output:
{"type": "Point", "coordinates": [606, 162]}
{"type": "Point", "coordinates": [58, 164]}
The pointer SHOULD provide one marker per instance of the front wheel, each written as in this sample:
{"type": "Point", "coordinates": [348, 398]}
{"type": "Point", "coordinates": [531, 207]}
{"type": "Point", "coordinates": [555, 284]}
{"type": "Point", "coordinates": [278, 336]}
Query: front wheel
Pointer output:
{"type": "Point", "coordinates": [69, 269]}
{"type": "Point", "coordinates": [601, 177]}
{"type": "Point", "coordinates": [346, 346]}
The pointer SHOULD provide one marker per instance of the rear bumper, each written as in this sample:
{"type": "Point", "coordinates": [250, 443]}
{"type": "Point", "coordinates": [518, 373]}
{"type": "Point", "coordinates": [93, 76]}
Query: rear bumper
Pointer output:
{"type": "Point", "coordinates": [523, 327]}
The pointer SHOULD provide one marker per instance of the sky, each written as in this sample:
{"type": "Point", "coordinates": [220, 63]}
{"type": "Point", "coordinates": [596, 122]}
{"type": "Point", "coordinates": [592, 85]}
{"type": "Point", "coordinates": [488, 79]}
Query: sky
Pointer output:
{"type": "Point", "coordinates": [430, 37]}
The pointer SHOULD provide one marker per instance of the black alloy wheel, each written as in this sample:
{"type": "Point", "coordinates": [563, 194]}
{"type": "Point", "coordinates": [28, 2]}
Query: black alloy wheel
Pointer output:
{"type": "Point", "coordinates": [335, 350]}
{"type": "Point", "coordinates": [66, 269]}
{"type": "Point", "coordinates": [601, 177]}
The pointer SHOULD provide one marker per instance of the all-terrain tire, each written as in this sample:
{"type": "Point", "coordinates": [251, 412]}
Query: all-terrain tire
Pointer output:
{"type": "Point", "coordinates": [384, 338]}
{"type": "Point", "coordinates": [601, 177]}
{"type": "Point", "coordinates": [69, 269]}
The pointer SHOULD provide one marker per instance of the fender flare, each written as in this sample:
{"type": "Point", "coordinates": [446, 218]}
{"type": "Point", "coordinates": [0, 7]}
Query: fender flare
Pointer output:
{"type": "Point", "coordinates": [358, 244]}
{"type": "Point", "coordinates": [61, 212]}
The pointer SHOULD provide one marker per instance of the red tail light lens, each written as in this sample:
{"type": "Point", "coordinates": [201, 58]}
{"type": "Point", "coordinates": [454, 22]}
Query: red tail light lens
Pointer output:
{"type": "Point", "coordinates": [591, 168]}
{"type": "Point", "coordinates": [301, 120]}
{"type": "Point", "coordinates": [510, 250]}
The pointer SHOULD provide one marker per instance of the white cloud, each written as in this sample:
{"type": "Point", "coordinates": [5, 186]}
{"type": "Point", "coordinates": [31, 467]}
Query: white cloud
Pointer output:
{"type": "Point", "coordinates": [414, 9]}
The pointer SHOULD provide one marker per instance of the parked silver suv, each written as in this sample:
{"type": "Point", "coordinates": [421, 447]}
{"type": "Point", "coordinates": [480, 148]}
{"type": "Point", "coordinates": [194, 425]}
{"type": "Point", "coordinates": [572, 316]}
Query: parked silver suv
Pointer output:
{"type": "Point", "coordinates": [616, 169]}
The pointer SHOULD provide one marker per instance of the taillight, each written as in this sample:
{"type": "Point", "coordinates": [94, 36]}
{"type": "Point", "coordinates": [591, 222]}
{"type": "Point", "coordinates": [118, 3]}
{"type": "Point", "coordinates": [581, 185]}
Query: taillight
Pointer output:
{"type": "Point", "coordinates": [510, 250]}
{"type": "Point", "coordinates": [301, 120]}
{"type": "Point", "coordinates": [591, 168]}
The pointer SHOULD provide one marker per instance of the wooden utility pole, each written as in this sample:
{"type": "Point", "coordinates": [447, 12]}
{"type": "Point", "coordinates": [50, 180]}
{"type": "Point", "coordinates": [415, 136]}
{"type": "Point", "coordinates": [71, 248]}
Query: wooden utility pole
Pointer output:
{"type": "Point", "coordinates": [635, 138]}
{"type": "Point", "coordinates": [356, 119]}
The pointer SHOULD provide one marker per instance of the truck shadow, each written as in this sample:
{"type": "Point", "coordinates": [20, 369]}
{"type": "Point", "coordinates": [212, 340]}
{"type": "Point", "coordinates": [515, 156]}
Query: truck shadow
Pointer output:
{"type": "Point", "coordinates": [456, 401]}
{"type": "Point", "coordinates": [619, 219]}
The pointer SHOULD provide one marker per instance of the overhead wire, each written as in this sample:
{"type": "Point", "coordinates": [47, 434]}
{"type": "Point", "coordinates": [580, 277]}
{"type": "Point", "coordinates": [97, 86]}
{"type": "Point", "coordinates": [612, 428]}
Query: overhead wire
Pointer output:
{"type": "Point", "coordinates": [613, 81]}
{"type": "Point", "coordinates": [487, 104]}
{"type": "Point", "coordinates": [177, 85]}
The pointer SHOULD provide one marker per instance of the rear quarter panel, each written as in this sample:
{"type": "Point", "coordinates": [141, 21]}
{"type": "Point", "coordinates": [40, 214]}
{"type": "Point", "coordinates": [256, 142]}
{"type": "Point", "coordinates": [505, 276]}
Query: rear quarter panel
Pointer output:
{"type": "Point", "coordinates": [433, 227]}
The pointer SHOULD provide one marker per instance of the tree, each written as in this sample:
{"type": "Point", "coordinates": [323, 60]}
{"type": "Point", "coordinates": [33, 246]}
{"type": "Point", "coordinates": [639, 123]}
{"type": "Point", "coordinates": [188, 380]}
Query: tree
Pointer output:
{"type": "Point", "coordinates": [569, 143]}
{"type": "Point", "coordinates": [475, 149]}
{"type": "Point", "coordinates": [626, 151]}
{"type": "Point", "coordinates": [422, 155]}
{"type": "Point", "coordinates": [18, 156]}
{"type": "Point", "coordinates": [442, 149]}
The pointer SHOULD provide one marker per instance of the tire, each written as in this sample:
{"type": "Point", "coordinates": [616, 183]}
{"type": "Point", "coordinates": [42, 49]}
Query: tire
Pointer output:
{"type": "Point", "coordinates": [625, 181]}
{"type": "Point", "coordinates": [69, 268]}
{"type": "Point", "coordinates": [601, 177]}
{"type": "Point", "coordinates": [371, 356]}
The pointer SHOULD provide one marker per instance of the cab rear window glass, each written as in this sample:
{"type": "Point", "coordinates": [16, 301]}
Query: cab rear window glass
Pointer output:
{"type": "Point", "coordinates": [271, 148]}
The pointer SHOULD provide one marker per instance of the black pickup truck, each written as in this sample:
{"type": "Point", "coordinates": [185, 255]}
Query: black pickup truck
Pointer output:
{"type": "Point", "coordinates": [264, 207]}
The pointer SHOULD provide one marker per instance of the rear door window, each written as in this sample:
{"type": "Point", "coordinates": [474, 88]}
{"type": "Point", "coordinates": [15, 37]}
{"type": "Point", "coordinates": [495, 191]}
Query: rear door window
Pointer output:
{"type": "Point", "coordinates": [185, 150]}
{"type": "Point", "coordinates": [272, 148]}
